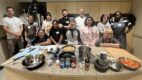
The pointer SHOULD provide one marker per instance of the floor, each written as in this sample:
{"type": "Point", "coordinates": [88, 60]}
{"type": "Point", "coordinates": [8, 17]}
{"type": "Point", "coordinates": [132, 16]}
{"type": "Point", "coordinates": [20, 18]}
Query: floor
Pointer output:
{"type": "Point", "coordinates": [2, 75]}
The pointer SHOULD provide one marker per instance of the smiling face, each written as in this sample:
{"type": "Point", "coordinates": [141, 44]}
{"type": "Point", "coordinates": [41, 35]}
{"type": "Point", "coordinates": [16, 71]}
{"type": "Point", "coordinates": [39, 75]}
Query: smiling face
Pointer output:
{"type": "Point", "coordinates": [48, 17]}
{"type": "Point", "coordinates": [72, 24]}
{"type": "Point", "coordinates": [89, 22]}
{"type": "Point", "coordinates": [41, 34]}
{"type": "Point", "coordinates": [64, 13]}
{"type": "Point", "coordinates": [108, 35]}
{"type": "Point", "coordinates": [117, 16]}
{"type": "Point", "coordinates": [30, 19]}
{"type": "Point", "coordinates": [105, 18]}
{"type": "Point", "coordinates": [82, 13]}
{"type": "Point", "coordinates": [55, 24]}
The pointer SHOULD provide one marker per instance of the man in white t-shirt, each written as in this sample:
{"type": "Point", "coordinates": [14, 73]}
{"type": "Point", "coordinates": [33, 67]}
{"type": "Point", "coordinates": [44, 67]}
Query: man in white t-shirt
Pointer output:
{"type": "Point", "coordinates": [80, 19]}
{"type": "Point", "coordinates": [13, 27]}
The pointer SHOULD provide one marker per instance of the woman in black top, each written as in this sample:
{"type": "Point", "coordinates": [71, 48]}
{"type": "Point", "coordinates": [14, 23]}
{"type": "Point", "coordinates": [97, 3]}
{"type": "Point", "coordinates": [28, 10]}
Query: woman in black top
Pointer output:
{"type": "Point", "coordinates": [41, 38]}
{"type": "Point", "coordinates": [120, 28]}
{"type": "Point", "coordinates": [55, 33]}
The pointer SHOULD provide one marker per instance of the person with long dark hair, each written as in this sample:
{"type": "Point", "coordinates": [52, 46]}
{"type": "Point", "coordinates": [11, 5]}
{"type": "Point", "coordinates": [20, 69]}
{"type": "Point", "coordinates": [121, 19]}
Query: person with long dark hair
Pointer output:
{"type": "Point", "coordinates": [41, 38]}
{"type": "Point", "coordinates": [56, 33]}
{"type": "Point", "coordinates": [47, 23]}
{"type": "Point", "coordinates": [103, 24]}
{"type": "Point", "coordinates": [90, 33]}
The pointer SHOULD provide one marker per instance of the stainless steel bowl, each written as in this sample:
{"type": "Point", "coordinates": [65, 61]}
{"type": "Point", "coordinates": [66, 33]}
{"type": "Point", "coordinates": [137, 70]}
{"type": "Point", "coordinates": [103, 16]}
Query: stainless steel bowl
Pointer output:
{"type": "Point", "coordinates": [33, 62]}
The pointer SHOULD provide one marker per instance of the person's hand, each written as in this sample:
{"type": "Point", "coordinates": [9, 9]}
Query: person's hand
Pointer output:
{"type": "Point", "coordinates": [60, 25]}
{"type": "Point", "coordinates": [18, 34]}
{"type": "Point", "coordinates": [28, 45]}
{"type": "Point", "coordinates": [66, 26]}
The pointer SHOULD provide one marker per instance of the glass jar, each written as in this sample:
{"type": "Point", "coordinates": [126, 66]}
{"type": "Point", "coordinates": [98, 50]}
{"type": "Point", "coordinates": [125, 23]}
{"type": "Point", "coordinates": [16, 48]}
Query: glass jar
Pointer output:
{"type": "Point", "coordinates": [73, 62]}
{"type": "Point", "coordinates": [87, 64]}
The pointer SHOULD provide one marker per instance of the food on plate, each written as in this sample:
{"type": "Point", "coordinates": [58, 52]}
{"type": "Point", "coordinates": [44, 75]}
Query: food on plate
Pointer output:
{"type": "Point", "coordinates": [69, 48]}
{"type": "Point", "coordinates": [129, 63]}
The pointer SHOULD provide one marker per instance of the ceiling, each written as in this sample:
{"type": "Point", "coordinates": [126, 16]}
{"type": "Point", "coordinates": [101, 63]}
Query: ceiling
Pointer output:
{"type": "Point", "coordinates": [68, 0]}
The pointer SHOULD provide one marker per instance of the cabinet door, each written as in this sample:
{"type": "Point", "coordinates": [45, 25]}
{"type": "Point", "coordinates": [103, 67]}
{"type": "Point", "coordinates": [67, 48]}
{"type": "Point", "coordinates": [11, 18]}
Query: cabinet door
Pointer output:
{"type": "Point", "coordinates": [71, 7]}
{"type": "Point", "coordinates": [115, 6]}
{"type": "Point", "coordinates": [60, 6]}
{"type": "Point", "coordinates": [95, 10]}
{"type": "Point", "coordinates": [104, 8]}
{"type": "Point", "coordinates": [83, 5]}
{"type": "Point", "coordinates": [125, 7]}
{"type": "Point", "coordinates": [51, 7]}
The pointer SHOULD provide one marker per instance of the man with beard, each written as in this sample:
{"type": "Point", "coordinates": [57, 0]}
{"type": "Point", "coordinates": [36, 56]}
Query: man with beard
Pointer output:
{"type": "Point", "coordinates": [120, 27]}
{"type": "Point", "coordinates": [107, 40]}
{"type": "Point", "coordinates": [64, 24]}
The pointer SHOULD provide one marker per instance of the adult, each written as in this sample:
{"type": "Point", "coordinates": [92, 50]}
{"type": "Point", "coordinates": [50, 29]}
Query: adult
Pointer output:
{"type": "Point", "coordinates": [13, 27]}
{"type": "Point", "coordinates": [80, 19]}
{"type": "Point", "coordinates": [41, 39]}
{"type": "Point", "coordinates": [90, 33]}
{"type": "Point", "coordinates": [120, 28]}
{"type": "Point", "coordinates": [73, 34]}
{"type": "Point", "coordinates": [47, 23]}
{"type": "Point", "coordinates": [103, 24]}
{"type": "Point", "coordinates": [56, 33]}
{"type": "Point", "coordinates": [64, 23]}
{"type": "Point", "coordinates": [108, 40]}
{"type": "Point", "coordinates": [31, 29]}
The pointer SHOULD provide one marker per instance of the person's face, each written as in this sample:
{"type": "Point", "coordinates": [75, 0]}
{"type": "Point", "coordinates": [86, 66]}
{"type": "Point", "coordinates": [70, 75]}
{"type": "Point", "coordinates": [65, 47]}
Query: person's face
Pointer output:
{"type": "Point", "coordinates": [41, 34]}
{"type": "Point", "coordinates": [107, 36]}
{"type": "Point", "coordinates": [105, 18]}
{"type": "Point", "coordinates": [89, 22]}
{"type": "Point", "coordinates": [55, 24]}
{"type": "Point", "coordinates": [64, 13]}
{"type": "Point", "coordinates": [82, 13]}
{"type": "Point", "coordinates": [10, 12]}
{"type": "Point", "coordinates": [48, 17]}
{"type": "Point", "coordinates": [72, 24]}
{"type": "Point", "coordinates": [118, 15]}
{"type": "Point", "coordinates": [30, 19]}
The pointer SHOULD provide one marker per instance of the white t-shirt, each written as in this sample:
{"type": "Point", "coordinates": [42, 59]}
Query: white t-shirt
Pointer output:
{"type": "Point", "coordinates": [80, 22]}
{"type": "Point", "coordinates": [102, 27]}
{"type": "Point", "coordinates": [14, 24]}
{"type": "Point", "coordinates": [46, 25]}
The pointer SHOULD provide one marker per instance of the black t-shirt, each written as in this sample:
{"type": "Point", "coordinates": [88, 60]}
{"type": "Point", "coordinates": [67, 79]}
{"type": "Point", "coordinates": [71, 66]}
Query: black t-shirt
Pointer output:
{"type": "Point", "coordinates": [39, 40]}
{"type": "Point", "coordinates": [65, 22]}
{"type": "Point", "coordinates": [55, 34]}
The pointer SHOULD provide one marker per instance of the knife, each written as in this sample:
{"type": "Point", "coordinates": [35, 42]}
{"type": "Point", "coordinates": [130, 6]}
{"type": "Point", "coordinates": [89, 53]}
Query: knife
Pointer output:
{"type": "Point", "coordinates": [9, 61]}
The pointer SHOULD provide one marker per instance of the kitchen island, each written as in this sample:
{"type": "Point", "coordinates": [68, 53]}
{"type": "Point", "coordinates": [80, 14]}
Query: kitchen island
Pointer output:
{"type": "Point", "coordinates": [16, 71]}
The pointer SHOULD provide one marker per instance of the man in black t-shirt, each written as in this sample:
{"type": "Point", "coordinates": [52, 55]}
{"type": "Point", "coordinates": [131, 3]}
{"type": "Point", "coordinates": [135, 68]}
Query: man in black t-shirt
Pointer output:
{"type": "Point", "coordinates": [64, 21]}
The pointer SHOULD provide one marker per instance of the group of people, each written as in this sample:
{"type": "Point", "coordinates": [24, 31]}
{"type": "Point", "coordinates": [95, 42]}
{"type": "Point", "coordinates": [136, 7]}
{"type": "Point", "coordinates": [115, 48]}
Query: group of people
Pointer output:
{"type": "Point", "coordinates": [81, 30]}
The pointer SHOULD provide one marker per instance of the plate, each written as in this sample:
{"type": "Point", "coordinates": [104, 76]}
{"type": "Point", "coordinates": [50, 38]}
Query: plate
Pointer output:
{"type": "Point", "coordinates": [129, 63]}
{"type": "Point", "coordinates": [115, 65]}
{"type": "Point", "coordinates": [69, 48]}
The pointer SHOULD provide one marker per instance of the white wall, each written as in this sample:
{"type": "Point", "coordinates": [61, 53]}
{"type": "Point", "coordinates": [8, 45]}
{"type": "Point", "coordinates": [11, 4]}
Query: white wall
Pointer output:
{"type": "Point", "coordinates": [137, 37]}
